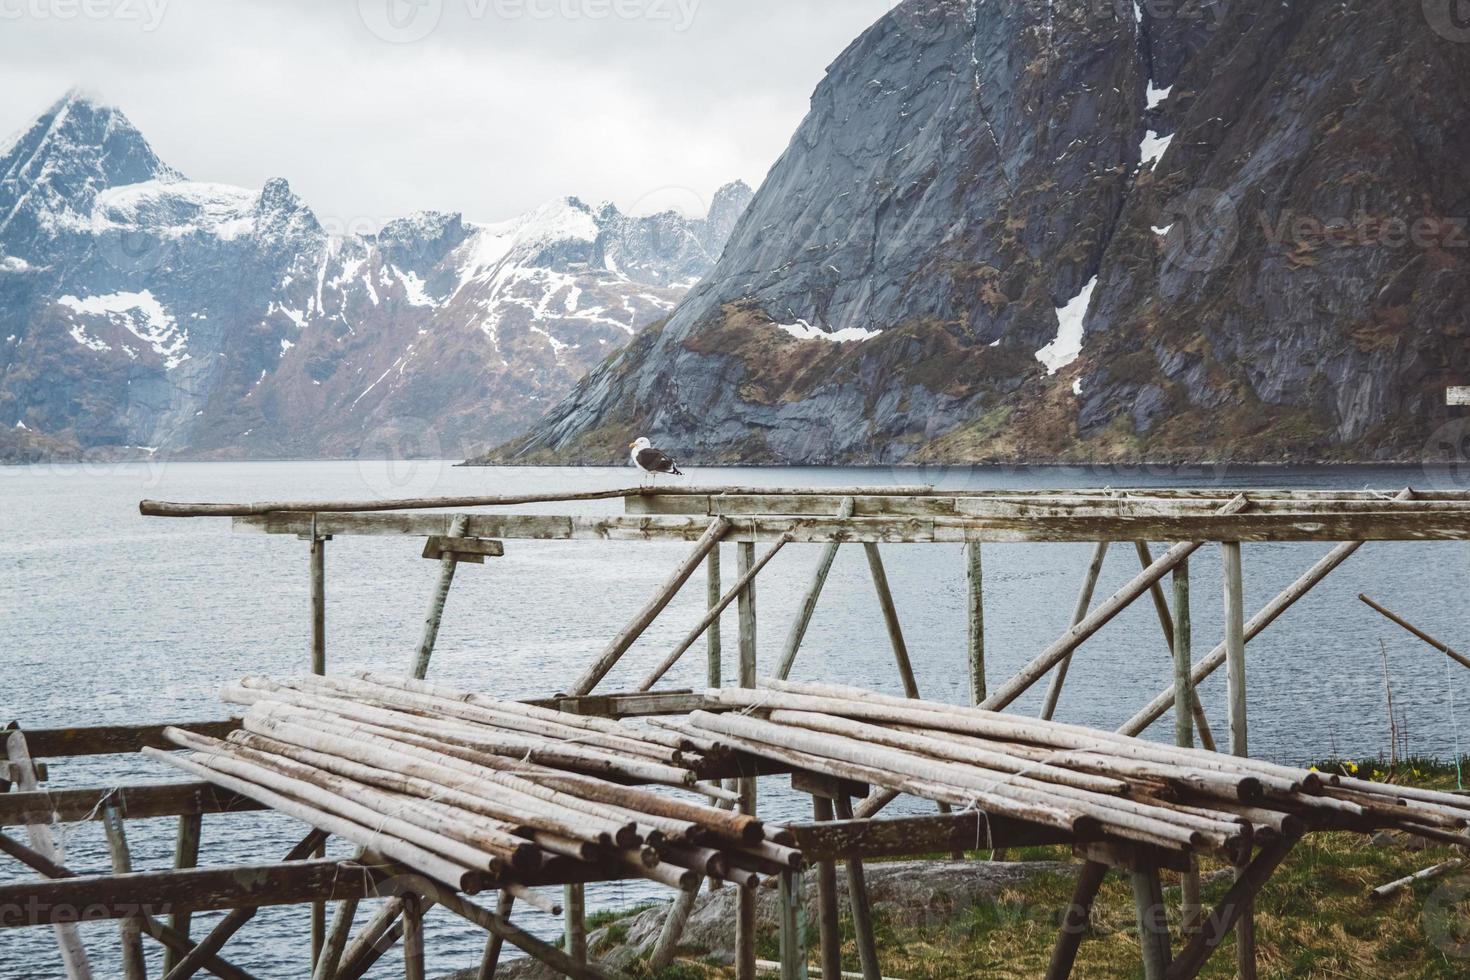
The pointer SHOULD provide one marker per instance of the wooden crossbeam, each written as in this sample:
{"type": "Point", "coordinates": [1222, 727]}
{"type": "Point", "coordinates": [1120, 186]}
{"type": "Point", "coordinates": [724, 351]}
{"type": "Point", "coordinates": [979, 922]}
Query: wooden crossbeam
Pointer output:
{"type": "Point", "coordinates": [1385, 525]}
{"type": "Point", "coordinates": [472, 550]}
{"type": "Point", "coordinates": [94, 898]}
{"type": "Point", "coordinates": [132, 802]}
{"type": "Point", "coordinates": [933, 833]}
{"type": "Point", "coordinates": [1235, 903]}
{"type": "Point", "coordinates": [58, 743]}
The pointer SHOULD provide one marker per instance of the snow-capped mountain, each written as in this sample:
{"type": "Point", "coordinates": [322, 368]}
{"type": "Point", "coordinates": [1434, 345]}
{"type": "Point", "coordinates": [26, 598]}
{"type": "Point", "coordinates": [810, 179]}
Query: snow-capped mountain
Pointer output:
{"type": "Point", "coordinates": [138, 308]}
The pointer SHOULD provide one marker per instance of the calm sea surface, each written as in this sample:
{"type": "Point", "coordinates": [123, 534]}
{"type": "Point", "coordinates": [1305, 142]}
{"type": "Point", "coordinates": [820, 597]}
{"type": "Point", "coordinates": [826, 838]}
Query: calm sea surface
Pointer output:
{"type": "Point", "coordinates": [109, 617]}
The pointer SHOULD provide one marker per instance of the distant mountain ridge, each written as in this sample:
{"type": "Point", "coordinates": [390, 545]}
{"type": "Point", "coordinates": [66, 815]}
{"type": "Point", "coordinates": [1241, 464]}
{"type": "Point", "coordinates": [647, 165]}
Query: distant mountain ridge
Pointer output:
{"type": "Point", "coordinates": [141, 309]}
{"type": "Point", "coordinates": [1082, 231]}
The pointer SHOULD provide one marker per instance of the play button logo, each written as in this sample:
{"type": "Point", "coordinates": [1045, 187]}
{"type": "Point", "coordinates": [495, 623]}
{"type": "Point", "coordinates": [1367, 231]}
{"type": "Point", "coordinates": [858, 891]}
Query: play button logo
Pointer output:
{"type": "Point", "coordinates": [401, 21]}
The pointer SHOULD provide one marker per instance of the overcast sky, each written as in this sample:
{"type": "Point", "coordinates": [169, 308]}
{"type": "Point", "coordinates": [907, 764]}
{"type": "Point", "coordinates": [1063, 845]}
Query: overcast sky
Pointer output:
{"type": "Point", "coordinates": [376, 108]}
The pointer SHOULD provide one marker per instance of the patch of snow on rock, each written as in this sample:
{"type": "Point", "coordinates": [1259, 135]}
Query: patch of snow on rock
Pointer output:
{"type": "Point", "coordinates": [802, 330]}
{"type": "Point", "coordinates": [143, 316]}
{"type": "Point", "coordinates": [1068, 343]}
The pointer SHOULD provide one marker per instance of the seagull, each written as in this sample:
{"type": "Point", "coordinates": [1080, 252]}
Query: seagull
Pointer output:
{"type": "Point", "coordinates": [652, 461]}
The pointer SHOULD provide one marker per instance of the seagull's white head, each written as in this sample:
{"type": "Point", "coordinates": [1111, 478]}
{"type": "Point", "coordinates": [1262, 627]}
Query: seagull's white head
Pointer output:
{"type": "Point", "coordinates": [639, 444]}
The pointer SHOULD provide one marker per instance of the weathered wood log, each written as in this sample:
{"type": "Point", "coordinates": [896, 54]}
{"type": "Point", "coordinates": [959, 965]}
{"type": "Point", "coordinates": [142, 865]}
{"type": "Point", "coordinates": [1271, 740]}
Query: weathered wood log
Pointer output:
{"type": "Point", "coordinates": [133, 802]}
{"type": "Point", "coordinates": [808, 605]}
{"type": "Point", "coordinates": [57, 743]}
{"type": "Point", "coordinates": [1442, 647]}
{"type": "Point", "coordinates": [1398, 885]}
{"type": "Point", "coordinates": [620, 644]}
{"type": "Point", "coordinates": [466, 879]}
{"type": "Point", "coordinates": [448, 562]}
{"type": "Point", "coordinates": [491, 960]}
{"type": "Point", "coordinates": [186, 855]}
{"type": "Point", "coordinates": [134, 966]}
{"type": "Point", "coordinates": [975, 620]}
{"type": "Point", "coordinates": [1075, 919]}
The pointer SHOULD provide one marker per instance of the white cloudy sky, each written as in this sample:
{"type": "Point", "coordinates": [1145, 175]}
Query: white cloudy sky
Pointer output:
{"type": "Point", "coordinates": [501, 105]}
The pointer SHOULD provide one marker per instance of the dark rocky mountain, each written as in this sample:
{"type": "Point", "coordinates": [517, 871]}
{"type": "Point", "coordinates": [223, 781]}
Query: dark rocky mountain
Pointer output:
{"type": "Point", "coordinates": [140, 309]}
{"type": "Point", "coordinates": [1033, 230]}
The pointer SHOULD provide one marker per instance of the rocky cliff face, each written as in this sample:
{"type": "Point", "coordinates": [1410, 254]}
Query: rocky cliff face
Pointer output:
{"type": "Point", "coordinates": [1107, 230]}
{"type": "Point", "coordinates": [139, 309]}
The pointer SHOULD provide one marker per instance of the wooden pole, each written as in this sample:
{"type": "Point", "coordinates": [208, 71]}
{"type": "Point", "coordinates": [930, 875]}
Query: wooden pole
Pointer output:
{"type": "Point", "coordinates": [712, 592]}
{"type": "Point", "coordinates": [974, 581]}
{"type": "Point", "coordinates": [673, 930]}
{"type": "Point", "coordinates": [413, 937]}
{"type": "Point", "coordinates": [1153, 922]}
{"type": "Point", "coordinates": [491, 960]}
{"type": "Point", "coordinates": [1442, 647]}
{"type": "Point", "coordinates": [793, 927]}
{"type": "Point", "coordinates": [890, 620]}
{"type": "Point", "coordinates": [1234, 905]}
{"type": "Point", "coordinates": [862, 913]}
{"type": "Point", "coordinates": [745, 898]}
{"type": "Point", "coordinates": [624, 640]}
{"type": "Point", "coordinates": [134, 966]}
{"type": "Point", "coordinates": [1075, 919]}
{"type": "Point", "coordinates": [574, 902]}
{"type": "Point", "coordinates": [1245, 932]}
{"type": "Point", "coordinates": [1184, 695]}
{"type": "Point", "coordinates": [23, 771]}
{"type": "Point", "coordinates": [809, 601]}
{"type": "Point", "coordinates": [828, 926]}
{"type": "Point", "coordinates": [1079, 613]}
{"type": "Point", "coordinates": [318, 601]}
{"type": "Point", "coordinates": [186, 855]}
{"type": "Point", "coordinates": [447, 565]}
{"type": "Point", "coordinates": [335, 941]}
{"type": "Point", "coordinates": [1166, 623]}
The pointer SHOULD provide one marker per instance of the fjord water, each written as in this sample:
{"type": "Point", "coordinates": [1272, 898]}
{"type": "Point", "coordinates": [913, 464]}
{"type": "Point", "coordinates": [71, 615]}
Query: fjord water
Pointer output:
{"type": "Point", "coordinates": [107, 617]}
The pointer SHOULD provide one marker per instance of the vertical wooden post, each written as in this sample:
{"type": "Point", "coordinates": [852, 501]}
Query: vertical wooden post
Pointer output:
{"type": "Point", "coordinates": [1153, 923]}
{"type": "Point", "coordinates": [1245, 929]}
{"type": "Point", "coordinates": [1079, 613]}
{"type": "Point", "coordinates": [574, 914]}
{"type": "Point", "coordinates": [809, 601]}
{"type": "Point", "coordinates": [447, 565]}
{"type": "Point", "coordinates": [413, 937]}
{"type": "Point", "coordinates": [1184, 697]}
{"type": "Point", "coordinates": [828, 925]}
{"type": "Point", "coordinates": [974, 581]}
{"type": "Point", "coordinates": [335, 941]}
{"type": "Point", "coordinates": [491, 960]}
{"type": "Point", "coordinates": [745, 898]}
{"type": "Point", "coordinates": [673, 929]}
{"type": "Point", "coordinates": [1235, 647]}
{"type": "Point", "coordinates": [318, 667]}
{"type": "Point", "coordinates": [714, 676]}
{"type": "Point", "coordinates": [1075, 919]}
{"type": "Point", "coordinates": [862, 913]}
{"type": "Point", "coordinates": [318, 601]}
{"type": "Point", "coordinates": [1166, 623]}
{"type": "Point", "coordinates": [68, 941]}
{"type": "Point", "coordinates": [134, 966]}
{"type": "Point", "coordinates": [186, 855]}
{"type": "Point", "coordinates": [793, 928]}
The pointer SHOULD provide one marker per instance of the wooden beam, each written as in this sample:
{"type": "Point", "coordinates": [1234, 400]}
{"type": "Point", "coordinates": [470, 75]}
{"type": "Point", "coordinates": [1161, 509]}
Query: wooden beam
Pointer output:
{"type": "Point", "coordinates": [1153, 922]}
{"type": "Point", "coordinates": [808, 605]}
{"type": "Point", "coordinates": [574, 913]}
{"type": "Point", "coordinates": [1075, 919]}
{"type": "Point", "coordinates": [490, 962]}
{"type": "Point", "coordinates": [134, 966]}
{"type": "Point", "coordinates": [447, 564]}
{"type": "Point", "coordinates": [890, 620]}
{"type": "Point", "coordinates": [96, 898]}
{"type": "Point", "coordinates": [792, 926]}
{"type": "Point", "coordinates": [58, 743]}
{"type": "Point", "coordinates": [828, 925]}
{"type": "Point", "coordinates": [1442, 647]}
{"type": "Point", "coordinates": [975, 633]}
{"type": "Point", "coordinates": [745, 920]}
{"type": "Point", "coordinates": [318, 603]}
{"type": "Point", "coordinates": [335, 941]}
{"type": "Point", "coordinates": [1184, 696]}
{"type": "Point", "coordinates": [413, 938]}
{"type": "Point", "coordinates": [132, 802]}
{"type": "Point", "coordinates": [932, 833]}
{"type": "Point", "coordinates": [1166, 624]}
{"type": "Point", "coordinates": [605, 662]}
{"type": "Point", "coordinates": [712, 651]}
{"type": "Point", "coordinates": [862, 914]}
{"type": "Point", "coordinates": [186, 855]}
{"type": "Point", "coordinates": [471, 550]}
